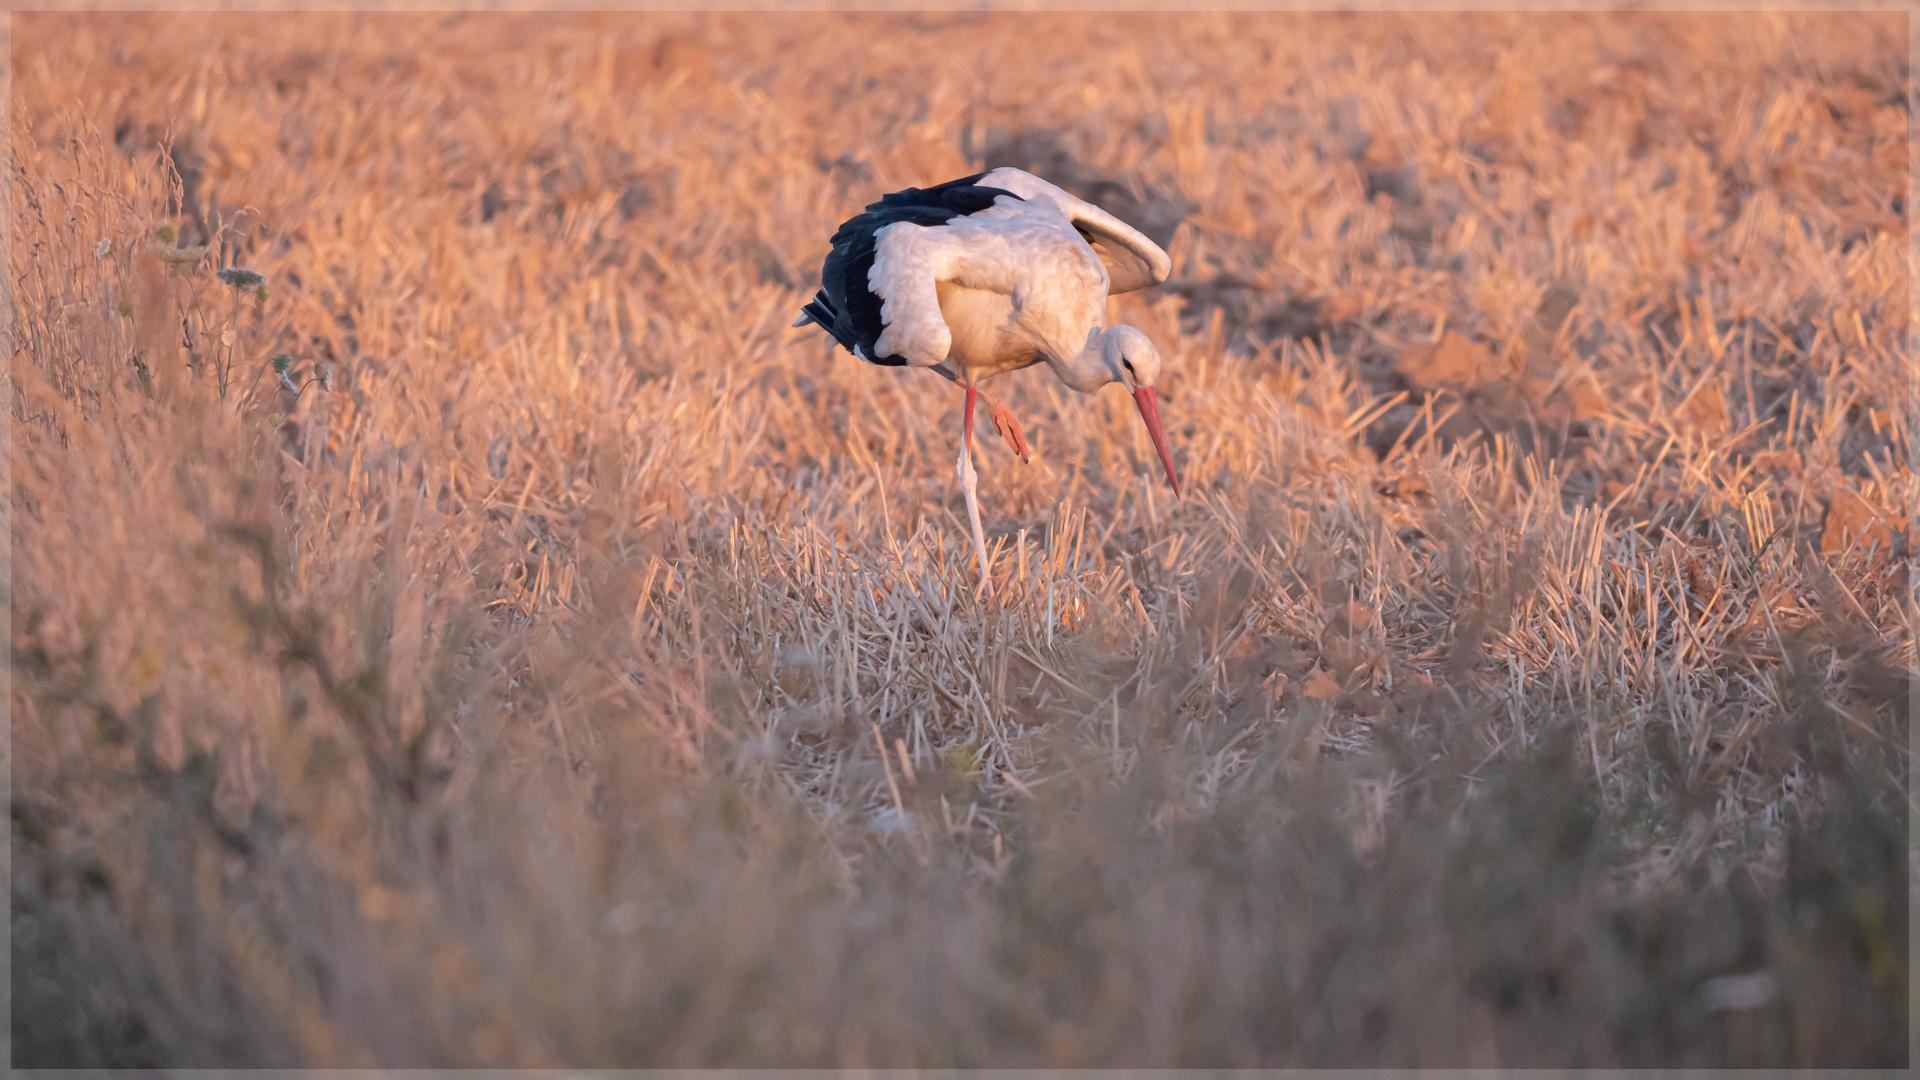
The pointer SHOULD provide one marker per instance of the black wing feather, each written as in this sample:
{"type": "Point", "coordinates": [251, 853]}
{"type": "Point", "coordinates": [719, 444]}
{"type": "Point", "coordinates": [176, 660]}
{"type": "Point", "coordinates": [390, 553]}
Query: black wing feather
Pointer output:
{"type": "Point", "coordinates": [844, 306]}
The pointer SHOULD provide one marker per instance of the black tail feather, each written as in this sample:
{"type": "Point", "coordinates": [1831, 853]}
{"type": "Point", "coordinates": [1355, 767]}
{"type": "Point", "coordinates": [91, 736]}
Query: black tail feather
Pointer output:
{"type": "Point", "coordinates": [820, 310]}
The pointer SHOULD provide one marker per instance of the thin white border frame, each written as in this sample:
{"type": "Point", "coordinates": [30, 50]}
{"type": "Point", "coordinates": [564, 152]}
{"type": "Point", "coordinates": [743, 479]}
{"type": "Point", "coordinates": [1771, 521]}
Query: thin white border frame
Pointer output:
{"type": "Point", "coordinates": [1435, 7]}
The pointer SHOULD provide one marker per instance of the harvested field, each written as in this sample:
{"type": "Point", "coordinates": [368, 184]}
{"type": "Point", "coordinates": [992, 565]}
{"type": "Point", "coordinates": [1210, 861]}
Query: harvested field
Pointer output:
{"type": "Point", "coordinates": [456, 621]}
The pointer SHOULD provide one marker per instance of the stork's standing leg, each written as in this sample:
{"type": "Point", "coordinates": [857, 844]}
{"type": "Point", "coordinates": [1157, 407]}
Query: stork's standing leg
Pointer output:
{"type": "Point", "coordinates": [970, 485]}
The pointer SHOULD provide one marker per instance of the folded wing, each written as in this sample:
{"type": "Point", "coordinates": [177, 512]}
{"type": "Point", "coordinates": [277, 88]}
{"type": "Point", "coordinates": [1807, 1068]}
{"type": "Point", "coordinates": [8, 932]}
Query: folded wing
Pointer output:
{"type": "Point", "coordinates": [909, 262]}
{"type": "Point", "coordinates": [850, 307]}
{"type": "Point", "coordinates": [1133, 261]}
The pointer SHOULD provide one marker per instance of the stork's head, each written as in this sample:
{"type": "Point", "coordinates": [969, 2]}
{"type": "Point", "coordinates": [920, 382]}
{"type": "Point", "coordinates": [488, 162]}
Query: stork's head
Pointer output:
{"type": "Point", "coordinates": [1134, 363]}
{"type": "Point", "coordinates": [1130, 357]}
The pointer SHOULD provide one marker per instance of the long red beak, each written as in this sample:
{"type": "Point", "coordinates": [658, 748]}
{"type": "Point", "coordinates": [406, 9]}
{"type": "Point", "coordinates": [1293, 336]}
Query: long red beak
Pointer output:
{"type": "Point", "coordinates": [1150, 412]}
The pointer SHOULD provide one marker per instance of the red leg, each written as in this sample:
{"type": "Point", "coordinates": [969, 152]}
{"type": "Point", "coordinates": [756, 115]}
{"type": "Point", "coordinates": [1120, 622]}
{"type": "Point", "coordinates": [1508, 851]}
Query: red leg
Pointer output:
{"type": "Point", "coordinates": [1003, 421]}
{"type": "Point", "coordinates": [1008, 427]}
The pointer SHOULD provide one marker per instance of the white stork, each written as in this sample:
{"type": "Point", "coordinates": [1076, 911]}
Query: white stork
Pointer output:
{"type": "Point", "coordinates": [987, 274]}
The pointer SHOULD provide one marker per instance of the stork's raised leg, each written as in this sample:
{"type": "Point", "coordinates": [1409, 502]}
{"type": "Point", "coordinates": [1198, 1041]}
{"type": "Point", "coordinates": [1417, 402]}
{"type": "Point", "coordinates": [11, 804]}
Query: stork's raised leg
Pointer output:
{"type": "Point", "coordinates": [970, 485]}
{"type": "Point", "coordinates": [1008, 427]}
{"type": "Point", "coordinates": [1003, 421]}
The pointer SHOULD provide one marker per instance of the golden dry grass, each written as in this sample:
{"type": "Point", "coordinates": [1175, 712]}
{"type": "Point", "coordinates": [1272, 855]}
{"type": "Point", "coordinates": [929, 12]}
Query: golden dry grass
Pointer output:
{"type": "Point", "coordinates": [593, 672]}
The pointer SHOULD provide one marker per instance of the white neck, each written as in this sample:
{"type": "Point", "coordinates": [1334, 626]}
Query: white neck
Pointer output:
{"type": "Point", "coordinates": [1086, 370]}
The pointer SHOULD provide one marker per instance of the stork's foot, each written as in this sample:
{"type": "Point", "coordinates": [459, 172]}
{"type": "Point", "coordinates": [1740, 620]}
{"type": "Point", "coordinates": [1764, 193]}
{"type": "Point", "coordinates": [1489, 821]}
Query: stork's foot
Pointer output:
{"type": "Point", "coordinates": [1008, 427]}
